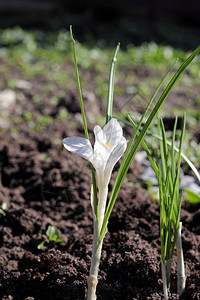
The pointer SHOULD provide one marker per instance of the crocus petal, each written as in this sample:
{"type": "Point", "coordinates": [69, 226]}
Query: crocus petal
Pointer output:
{"type": "Point", "coordinates": [101, 155]}
{"type": "Point", "coordinates": [80, 146]}
{"type": "Point", "coordinates": [113, 132]}
{"type": "Point", "coordinates": [115, 155]}
{"type": "Point", "coordinates": [99, 134]}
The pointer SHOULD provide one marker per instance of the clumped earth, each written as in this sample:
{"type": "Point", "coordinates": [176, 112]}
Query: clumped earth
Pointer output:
{"type": "Point", "coordinates": [44, 185]}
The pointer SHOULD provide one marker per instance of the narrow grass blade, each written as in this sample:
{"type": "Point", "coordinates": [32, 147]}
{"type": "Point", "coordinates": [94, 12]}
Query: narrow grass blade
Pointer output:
{"type": "Point", "coordinates": [165, 156]}
{"type": "Point", "coordinates": [168, 235]}
{"type": "Point", "coordinates": [172, 150]}
{"type": "Point", "coordinates": [111, 85]}
{"type": "Point", "coordinates": [176, 224]}
{"type": "Point", "coordinates": [79, 85]}
{"type": "Point", "coordinates": [163, 150]}
{"type": "Point", "coordinates": [84, 122]}
{"type": "Point", "coordinates": [177, 204]}
{"type": "Point", "coordinates": [162, 214]}
{"type": "Point", "coordinates": [123, 170]}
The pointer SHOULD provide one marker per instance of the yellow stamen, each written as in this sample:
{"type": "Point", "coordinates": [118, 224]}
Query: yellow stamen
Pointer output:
{"type": "Point", "coordinates": [107, 144]}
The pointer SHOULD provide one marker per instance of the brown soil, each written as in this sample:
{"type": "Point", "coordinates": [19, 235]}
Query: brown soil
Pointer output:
{"type": "Point", "coordinates": [43, 186]}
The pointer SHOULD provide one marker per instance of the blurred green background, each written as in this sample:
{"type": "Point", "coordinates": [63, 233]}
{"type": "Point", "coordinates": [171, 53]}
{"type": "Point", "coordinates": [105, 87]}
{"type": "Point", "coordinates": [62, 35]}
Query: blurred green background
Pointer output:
{"type": "Point", "coordinates": [36, 60]}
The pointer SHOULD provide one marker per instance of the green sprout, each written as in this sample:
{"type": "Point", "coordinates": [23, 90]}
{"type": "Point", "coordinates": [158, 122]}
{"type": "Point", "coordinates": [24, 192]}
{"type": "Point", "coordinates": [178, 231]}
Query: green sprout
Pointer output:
{"type": "Point", "coordinates": [36, 99]}
{"type": "Point", "coordinates": [28, 116]}
{"type": "Point", "coordinates": [3, 209]}
{"type": "Point", "coordinates": [170, 205]}
{"type": "Point", "coordinates": [109, 147]}
{"type": "Point", "coordinates": [45, 120]}
{"type": "Point", "coordinates": [54, 100]}
{"type": "Point", "coordinates": [53, 236]}
{"type": "Point", "coordinates": [167, 173]}
{"type": "Point", "coordinates": [62, 115]}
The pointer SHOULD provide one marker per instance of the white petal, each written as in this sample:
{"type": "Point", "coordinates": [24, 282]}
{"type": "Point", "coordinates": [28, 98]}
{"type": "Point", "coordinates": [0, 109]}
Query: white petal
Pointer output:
{"type": "Point", "coordinates": [113, 132]}
{"type": "Point", "coordinates": [99, 134]}
{"type": "Point", "coordinates": [80, 146]}
{"type": "Point", "coordinates": [115, 155]}
{"type": "Point", "coordinates": [101, 155]}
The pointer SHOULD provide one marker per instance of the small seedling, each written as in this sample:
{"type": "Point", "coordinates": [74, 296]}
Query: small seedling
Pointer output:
{"type": "Point", "coordinates": [3, 209]}
{"type": "Point", "coordinates": [53, 236]}
{"type": "Point", "coordinates": [170, 203]}
{"type": "Point", "coordinates": [170, 206]}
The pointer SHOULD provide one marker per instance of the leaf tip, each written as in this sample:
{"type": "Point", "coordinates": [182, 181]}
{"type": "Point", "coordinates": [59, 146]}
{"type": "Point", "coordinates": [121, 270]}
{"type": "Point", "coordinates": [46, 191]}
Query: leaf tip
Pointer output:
{"type": "Point", "coordinates": [71, 34]}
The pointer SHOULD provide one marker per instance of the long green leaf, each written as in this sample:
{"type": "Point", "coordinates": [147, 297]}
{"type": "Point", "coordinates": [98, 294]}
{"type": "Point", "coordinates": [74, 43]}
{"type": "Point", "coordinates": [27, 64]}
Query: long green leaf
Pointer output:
{"type": "Point", "coordinates": [165, 156]}
{"type": "Point", "coordinates": [172, 150]}
{"type": "Point", "coordinates": [162, 213]}
{"type": "Point", "coordinates": [79, 85]}
{"type": "Point", "coordinates": [84, 122]}
{"type": "Point", "coordinates": [122, 172]}
{"type": "Point", "coordinates": [163, 149]}
{"type": "Point", "coordinates": [174, 168]}
{"type": "Point", "coordinates": [111, 85]}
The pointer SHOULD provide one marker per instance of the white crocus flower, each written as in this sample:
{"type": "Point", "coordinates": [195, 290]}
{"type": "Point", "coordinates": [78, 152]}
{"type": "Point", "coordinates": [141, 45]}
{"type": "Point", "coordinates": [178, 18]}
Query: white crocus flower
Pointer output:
{"type": "Point", "coordinates": [108, 148]}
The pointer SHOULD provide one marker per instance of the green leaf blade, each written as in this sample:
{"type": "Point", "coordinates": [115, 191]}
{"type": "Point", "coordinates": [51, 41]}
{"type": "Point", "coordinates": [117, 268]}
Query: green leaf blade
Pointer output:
{"type": "Point", "coordinates": [78, 84]}
{"type": "Point", "coordinates": [84, 121]}
{"type": "Point", "coordinates": [111, 85]}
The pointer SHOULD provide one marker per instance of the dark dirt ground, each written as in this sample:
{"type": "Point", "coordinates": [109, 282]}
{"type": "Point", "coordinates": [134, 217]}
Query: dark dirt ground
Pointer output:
{"type": "Point", "coordinates": [43, 185]}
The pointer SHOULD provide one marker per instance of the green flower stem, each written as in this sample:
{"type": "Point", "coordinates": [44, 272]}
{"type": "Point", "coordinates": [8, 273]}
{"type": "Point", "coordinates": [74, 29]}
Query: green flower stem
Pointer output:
{"type": "Point", "coordinates": [96, 256]}
{"type": "Point", "coordinates": [181, 278]}
{"type": "Point", "coordinates": [100, 205]}
{"type": "Point", "coordinates": [97, 246]}
{"type": "Point", "coordinates": [103, 194]}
